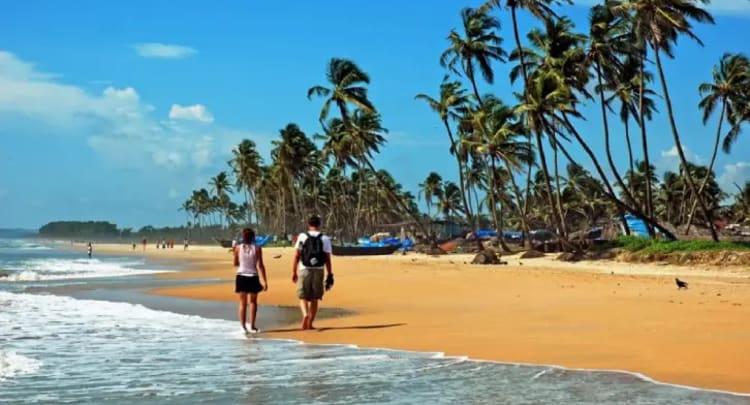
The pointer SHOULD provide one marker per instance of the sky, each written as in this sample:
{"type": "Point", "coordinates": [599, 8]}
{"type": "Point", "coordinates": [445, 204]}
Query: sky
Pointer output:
{"type": "Point", "coordinates": [118, 110]}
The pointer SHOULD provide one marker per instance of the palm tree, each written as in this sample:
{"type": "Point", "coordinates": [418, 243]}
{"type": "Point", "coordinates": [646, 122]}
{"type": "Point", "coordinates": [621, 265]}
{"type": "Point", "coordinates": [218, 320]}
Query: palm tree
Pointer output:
{"type": "Point", "coordinates": [431, 188]}
{"type": "Point", "coordinates": [659, 23]}
{"type": "Point", "coordinates": [246, 163]}
{"type": "Point", "coordinates": [449, 199]}
{"type": "Point", "coordinates": [498, 134]}
{"type": "Point", "coordinates": [731, 81]}
{"type": "Point", "coordinates": [452, 102]}
{"type": "Point", "coordinates": [546, 95]}
{"type": "Point", "coordinates": [542, 11]}
{"type": "Point", "coordinates": [222, 188]}
{"type": "Point", "coordinates": [626, 89]}
{"type": "Point", "coordinates": [348, 86]}
{"type": "Point", "coordinates": [476, 49]}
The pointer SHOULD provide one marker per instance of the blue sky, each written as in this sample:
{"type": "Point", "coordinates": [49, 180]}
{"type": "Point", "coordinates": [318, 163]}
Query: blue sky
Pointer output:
{"type": "Point", "coordinates": [117, 110]}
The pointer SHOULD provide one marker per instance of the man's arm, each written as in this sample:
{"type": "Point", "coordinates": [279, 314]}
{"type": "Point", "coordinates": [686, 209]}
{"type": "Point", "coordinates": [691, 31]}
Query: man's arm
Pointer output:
{"type": "Point", "coordinates": [295, 261]}
{"type": "Point", "coordinates": [328, 249]}
{"type": "Point", "coordinates": [329, 266]}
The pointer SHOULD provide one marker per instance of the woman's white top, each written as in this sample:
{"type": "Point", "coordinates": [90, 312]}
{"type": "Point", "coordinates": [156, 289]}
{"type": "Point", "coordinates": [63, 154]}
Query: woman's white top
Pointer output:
{"type": "Point", "coordinates": [248, 260]}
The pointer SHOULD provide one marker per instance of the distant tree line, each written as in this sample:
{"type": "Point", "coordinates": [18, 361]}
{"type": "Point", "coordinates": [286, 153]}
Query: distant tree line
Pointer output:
{"type": "Point", "coordinates": [107, 231]}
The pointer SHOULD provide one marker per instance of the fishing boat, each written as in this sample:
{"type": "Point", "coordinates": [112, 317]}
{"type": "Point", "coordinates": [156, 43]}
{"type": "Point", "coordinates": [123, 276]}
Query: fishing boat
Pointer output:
{"type": "Point", "coordinates": [364, 250]}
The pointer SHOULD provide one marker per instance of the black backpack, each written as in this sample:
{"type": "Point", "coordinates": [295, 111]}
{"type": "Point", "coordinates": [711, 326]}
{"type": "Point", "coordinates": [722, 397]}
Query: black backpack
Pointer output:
{"type": "Point", "coordinates": [312, 251]}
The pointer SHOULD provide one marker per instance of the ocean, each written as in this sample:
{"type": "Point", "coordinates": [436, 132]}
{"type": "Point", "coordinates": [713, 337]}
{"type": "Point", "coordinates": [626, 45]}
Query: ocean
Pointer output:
{"type": "Point", "coordinates": [60, 349]}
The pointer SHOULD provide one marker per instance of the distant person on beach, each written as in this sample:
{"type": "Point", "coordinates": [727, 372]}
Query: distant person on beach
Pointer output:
{"type": "Point", "coordinates": [248, 258]}
{"type": "Point", "coordinates": [133, 246]}
{"type": "Point", "coordinates": [185, 244]}
{"type": "Point", "coordinates": [313, 253]}
{"type": "Point", "coordinates": [90, 249]}
{"type": "Point", "coordinates": [144, 243]}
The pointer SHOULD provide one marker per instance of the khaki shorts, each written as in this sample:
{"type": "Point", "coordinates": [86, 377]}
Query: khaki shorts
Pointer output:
{"type": "Point", "coordinates": [310, 284]}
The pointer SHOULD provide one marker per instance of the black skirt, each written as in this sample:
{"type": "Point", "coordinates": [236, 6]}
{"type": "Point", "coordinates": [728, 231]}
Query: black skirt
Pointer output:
{"type": "Point", "coordinates": [247, 284]}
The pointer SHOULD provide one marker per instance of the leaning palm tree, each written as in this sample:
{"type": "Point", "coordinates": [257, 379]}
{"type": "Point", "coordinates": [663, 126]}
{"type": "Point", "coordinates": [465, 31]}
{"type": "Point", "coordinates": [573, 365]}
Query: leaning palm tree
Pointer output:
{"type": "Point", "coordinates": [659, 23]}
{"type": "Point", "coordinates": [731, 81]}
{"type": "Point", "coordinates": [452, 101]}
{"type": "Point", "coordinates": [348, 86]}
{"type": "Point", "coordinates": [476, 49]}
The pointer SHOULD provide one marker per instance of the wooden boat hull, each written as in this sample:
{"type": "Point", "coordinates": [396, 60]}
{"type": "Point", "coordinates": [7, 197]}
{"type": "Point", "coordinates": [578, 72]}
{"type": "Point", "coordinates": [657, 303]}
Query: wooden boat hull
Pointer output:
{"type": "Point", "coordinates": [363, 250]}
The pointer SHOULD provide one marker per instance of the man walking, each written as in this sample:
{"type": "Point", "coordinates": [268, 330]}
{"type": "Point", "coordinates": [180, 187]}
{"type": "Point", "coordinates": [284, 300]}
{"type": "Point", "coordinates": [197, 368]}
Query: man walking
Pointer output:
{"type": "Point", "coordinates": [313, 253]}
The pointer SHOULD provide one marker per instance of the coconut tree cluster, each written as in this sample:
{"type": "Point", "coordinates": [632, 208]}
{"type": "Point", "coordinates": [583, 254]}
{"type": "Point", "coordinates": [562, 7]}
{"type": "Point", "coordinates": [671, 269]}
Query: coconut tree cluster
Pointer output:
{"type": "Point", "coordinates": [517, 142]}
{"type": "Point", "coordinates": [518, 150]}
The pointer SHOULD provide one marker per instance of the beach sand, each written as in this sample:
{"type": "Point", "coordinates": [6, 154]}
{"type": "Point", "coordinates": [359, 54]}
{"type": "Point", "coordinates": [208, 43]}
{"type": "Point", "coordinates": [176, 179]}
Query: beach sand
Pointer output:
{"type": "Point", "coordinates": [594, 315]}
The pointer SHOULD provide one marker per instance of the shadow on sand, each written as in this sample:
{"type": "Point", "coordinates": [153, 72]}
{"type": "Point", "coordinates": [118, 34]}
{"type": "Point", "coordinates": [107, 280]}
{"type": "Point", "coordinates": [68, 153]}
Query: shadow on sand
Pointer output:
{"type": "Point", "coordinates": [382, 326]}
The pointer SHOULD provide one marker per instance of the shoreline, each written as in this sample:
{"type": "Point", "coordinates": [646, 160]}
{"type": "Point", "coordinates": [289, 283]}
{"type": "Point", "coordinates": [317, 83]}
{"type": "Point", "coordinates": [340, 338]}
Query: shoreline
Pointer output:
{"type": "Point", "coordinates": [545, 330]}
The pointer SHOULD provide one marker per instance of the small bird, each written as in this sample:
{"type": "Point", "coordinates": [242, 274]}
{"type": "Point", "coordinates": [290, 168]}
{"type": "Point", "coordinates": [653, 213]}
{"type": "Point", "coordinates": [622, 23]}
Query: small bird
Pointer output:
{"type": "Point", "coordinates": [277, 257]}
{"type": "Point", "coordinates": [681, 284]}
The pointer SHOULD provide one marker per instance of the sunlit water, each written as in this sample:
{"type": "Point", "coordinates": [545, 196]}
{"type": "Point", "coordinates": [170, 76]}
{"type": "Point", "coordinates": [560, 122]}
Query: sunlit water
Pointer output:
{"type": "Point", "coordinates": [57, 349]}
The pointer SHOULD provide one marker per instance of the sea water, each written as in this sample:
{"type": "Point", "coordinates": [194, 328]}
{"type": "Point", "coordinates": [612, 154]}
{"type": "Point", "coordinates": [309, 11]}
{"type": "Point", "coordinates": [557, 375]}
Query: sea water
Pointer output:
{"type": "Point", "coordinates": [58, 349]}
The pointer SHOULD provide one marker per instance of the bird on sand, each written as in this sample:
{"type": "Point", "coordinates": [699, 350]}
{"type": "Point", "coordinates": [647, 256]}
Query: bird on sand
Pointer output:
{"type": "Point", "coordinates": [277, 257]}
{"type": "Point", "coordinates": [681, 284]}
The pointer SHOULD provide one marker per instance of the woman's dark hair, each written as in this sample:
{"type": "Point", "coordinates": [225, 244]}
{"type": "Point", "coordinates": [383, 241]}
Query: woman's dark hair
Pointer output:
{"type": "Point", "coordinates": [248, 236]}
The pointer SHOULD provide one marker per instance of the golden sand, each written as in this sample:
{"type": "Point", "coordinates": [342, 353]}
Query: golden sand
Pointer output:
{"type": "Point", "coordinates": [599, 315]}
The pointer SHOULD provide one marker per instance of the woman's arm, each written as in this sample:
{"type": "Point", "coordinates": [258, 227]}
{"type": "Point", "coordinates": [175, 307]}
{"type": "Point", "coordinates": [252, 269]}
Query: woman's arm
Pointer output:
{"type": "Point", "coordinates": [236, 257]}
{"type": "Point", "coordinates": [262, 267]}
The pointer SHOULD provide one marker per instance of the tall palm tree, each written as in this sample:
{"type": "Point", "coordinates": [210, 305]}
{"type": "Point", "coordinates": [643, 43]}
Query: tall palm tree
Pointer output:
{"type": "Point", "coordinates": [348, 86]}
{"type": "Point", "coordinates": [451, 103]}
{"type": "Point", "coordinates": [431, 188]}
{"type": "Point", "coordinates": [476, 49]}
{"type": "Point", "coordinates": [625, 88]}
{"type": "Point", "coordinates": [731, 81]}
{"type": "Point", "coordinates": [222, 188]}
{"type": "Point", "coordinates": [545, 96]}
{"type": "Point", "coordinates": [659, 23]}
{"type": "Point", "coordinates": [500, 136]}
{"type": "Point", "coordinates": [541, 9]}
{"type": "Point", "coordinates": [449, 200]}
{"type": "Point", "coordinates": [609, 40]}
{"type": "Point", "coordinates": [246, 163]}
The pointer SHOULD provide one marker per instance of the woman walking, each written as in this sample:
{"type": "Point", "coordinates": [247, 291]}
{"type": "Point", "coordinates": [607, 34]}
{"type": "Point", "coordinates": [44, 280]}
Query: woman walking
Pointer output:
{"type": "Point", "coordinates": [248, 258]}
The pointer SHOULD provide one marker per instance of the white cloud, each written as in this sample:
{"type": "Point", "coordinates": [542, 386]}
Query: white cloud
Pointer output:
{"type": "Point", "coordinates": [116, 122]}
{"type": "Point", "coordinates": [196, 112]}
{"type": "Point", "coordinates": [734, 173]}
{"type": "Point", "coordinates": [724, 7]}
{"type": "Point", "coordinates": [670, 160]}
{"type": "Point", "coordinates": [163, 51]}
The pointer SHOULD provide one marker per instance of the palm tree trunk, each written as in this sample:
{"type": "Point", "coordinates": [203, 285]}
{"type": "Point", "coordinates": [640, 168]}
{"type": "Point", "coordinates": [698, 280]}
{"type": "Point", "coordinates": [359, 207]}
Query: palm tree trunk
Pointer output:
{"type": "Point", "coordinates": [491, 190]}
{"type": "Point", "coordinates": [517, 193]}
{"type": "Point", "coordinates": [545, 172]}
{"type": "Point", "coordinates": [630, 153]}
{"type": "Point", "coordinates": [680, 152]}
{"type": "Point", "coordinates": [609, 149]}
{"type": "Point", "coordinates": [558, 189]}
{"type": "Point", "coordinates": [521, 58]}
{"type": "Point", "coordinates": [710, 166]}
{"type": "Point", "coordinates": [357, 211]}
{"type": "Point", "coordinates": [644, 141]}
{"type": "Point", "coordinates": [474, 87]}
{"type": "Point", "coordinates": [461, 180]}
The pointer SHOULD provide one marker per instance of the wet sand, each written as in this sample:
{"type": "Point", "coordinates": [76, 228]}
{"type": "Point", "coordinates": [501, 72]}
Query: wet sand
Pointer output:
{"type": "Point", "coordinates": [598, 315]}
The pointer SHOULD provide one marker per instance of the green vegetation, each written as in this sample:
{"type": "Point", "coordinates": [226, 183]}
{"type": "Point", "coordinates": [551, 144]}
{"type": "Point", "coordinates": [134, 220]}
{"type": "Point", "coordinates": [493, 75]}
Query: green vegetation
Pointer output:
{"type": "Point", "coordinates": [511, 136]}
{"type": "Point", "coordinates": [650, 246]}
